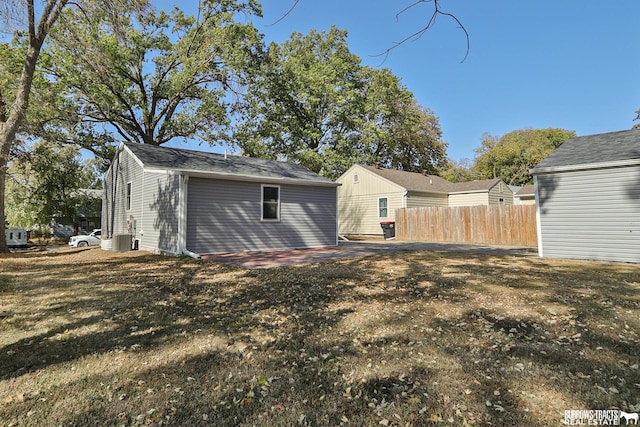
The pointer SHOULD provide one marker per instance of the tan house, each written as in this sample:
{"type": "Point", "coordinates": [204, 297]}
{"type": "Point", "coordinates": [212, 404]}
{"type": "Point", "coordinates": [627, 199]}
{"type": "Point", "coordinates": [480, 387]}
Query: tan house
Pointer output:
{"type": "Point", "coordinates": [525, 196]}
{"type": "Point", "coordinates": [369, 195]}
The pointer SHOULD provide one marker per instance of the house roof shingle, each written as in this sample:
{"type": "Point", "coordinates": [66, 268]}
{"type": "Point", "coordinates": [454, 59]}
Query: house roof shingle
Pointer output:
{"type": "Point", "coordinates": [601, 150]}
{"type": "Point", "coordinates": [193, 161]}
{"type": "Point", "coordinates": [527, 190]}
{"type": "Point", "coordinates": [413, 181]}
{"type": "Point", "coordinates": [479, 185]}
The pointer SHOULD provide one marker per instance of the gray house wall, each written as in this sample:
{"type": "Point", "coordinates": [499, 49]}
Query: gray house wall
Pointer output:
{"type": "Point", "coordinates": [115, 215]}
{"type": "Point", "coordinates": [158, 226]}
{"type": "Point", "coordinates": [590, 214]}
{"type": "Point", "coordinates": [225, 216]}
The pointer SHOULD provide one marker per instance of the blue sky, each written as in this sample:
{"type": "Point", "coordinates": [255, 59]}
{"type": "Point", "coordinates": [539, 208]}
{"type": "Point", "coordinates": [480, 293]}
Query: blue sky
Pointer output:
{"type": "Point", "coordinates": [571, 64]}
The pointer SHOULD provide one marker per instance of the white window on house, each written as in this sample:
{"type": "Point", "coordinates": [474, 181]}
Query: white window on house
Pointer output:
{"type": "Point", "coordinates": [355, 178]}
{"type": "Point", "coordinates": [383, 207]}
{"type": "Point", "coordinates": [501, 200]}
{"type": "Point", "coordinates": [270, 203]}
{"type": "Point", "coordinates": [129, 196]}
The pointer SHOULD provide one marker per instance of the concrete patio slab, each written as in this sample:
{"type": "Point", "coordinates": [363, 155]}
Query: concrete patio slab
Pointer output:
{"type": "Point", "coordinates": [353, 249]}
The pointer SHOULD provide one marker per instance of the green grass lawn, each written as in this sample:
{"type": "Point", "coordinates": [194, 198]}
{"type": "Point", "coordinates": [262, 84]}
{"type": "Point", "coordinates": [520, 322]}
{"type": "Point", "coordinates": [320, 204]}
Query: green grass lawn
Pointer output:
{"type": "Point", "coordinates": [89, 337]}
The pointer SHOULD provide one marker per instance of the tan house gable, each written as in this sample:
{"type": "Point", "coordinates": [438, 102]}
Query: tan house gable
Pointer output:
{"type": "Point", "coordinates": [482, 192]}
{"type": "Point", "coordinates": [369, 195]}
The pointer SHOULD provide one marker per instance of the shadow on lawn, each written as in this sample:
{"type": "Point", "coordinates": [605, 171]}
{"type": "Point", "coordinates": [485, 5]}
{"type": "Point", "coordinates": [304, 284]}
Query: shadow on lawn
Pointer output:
{"type": "Point", "coordinates": [288, 355]}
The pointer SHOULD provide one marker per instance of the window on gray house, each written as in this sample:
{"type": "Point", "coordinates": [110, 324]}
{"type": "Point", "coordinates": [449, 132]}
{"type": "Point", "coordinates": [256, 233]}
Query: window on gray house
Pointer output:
{"type": "Point", "coordinates": [270, 203]}
{"type": "Point", "coordinates": [128, 196]}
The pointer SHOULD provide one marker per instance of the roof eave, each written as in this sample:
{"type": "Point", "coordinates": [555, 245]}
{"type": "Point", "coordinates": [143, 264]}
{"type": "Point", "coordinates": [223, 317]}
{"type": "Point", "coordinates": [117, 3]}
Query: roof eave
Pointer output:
{"type": "Point", "coordinates": [469, 191]}
{"type": "Point", "coordinates": [442, 193]}
{"type": "Point", "coordinates": [587, 166]}
{"type": "Point", "coordinates": [244, 177]}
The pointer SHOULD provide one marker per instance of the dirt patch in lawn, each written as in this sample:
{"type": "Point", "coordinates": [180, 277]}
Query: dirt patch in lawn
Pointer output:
{"type": "Point", "coordinates": [89, 337]}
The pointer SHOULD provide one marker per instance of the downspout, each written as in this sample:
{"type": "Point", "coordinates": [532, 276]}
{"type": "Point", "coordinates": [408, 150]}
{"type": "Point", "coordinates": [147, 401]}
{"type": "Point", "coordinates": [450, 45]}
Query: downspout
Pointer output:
{"type": "Point", "coordinates": [115, 173]}
{"type": "Point", "coordinates": [338, 236]}
{"type": "Point", "coordinates": [183, 187]}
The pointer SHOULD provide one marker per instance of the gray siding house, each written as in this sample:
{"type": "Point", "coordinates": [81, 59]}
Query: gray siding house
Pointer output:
{"type": "Point", "coordinates": [588, 198]}
{"type": "Point", "coordinates": [177, 201]}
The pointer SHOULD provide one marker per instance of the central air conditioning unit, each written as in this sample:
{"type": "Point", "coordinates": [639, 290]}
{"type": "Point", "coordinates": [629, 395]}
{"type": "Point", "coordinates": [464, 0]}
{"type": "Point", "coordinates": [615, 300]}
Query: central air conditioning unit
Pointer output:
{"type": "Point", "coordinates": [121, 242]}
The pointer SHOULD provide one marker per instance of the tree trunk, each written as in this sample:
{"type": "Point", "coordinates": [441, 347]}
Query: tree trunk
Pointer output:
{"type": "Point", "coordinates": [16, 114]}
{"type": "Point", "coordinates": [10, 127]}
{"type": "Point", "coordinates": [3, 242]}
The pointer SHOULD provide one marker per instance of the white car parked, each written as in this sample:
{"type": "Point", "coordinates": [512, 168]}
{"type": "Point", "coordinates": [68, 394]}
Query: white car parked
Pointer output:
{"type": "Point", "coordinates": [92, 239]}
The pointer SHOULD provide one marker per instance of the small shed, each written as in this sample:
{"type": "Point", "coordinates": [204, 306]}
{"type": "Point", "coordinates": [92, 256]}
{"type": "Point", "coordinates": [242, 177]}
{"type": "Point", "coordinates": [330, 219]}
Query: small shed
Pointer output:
{"type": "Point", "coordinates": [176, 201]}
{"type": "Point", "coordinates": [588, 198]}
{"type": "Point", "coordinates": [16, 237]}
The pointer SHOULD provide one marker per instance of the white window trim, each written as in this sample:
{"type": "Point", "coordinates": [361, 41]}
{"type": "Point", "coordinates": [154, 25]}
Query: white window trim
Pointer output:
{"type": "Point", "coordinates": [378, 207]}
{"type": "Point", "coordinates": [129, 196]}
{"type": "Point", "coordinates": [262, 218]}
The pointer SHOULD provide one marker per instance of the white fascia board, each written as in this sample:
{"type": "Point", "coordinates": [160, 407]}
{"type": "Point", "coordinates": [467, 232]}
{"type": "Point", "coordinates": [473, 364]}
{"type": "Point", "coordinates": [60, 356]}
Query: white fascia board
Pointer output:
{"type": "Point", "coordinates": [468, 192]}
{"type": "Point", "coordinates": [588, 166]}
{"type": "Point", "coordinates": [244, 178]}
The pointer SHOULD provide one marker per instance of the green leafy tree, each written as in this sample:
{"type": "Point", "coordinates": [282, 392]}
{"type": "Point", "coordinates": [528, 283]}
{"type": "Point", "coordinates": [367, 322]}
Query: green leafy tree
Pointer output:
{"type": "Point", "coordinates": [397, 131]}
{"type": "Point", "coordinates": [511, 156]}
{"type": "Point", "coordinates": [14, 99]}
{"type": "Point", "coordinates": [152, 76]}
{"type": "Point", "coordinates": [313, 102]}
{"type": "Point", "coordinates": [35, 23]}
{"type": "Point", "coordinates": [459, 171]}
{"type": "Point", "coordinates": [44, 185]}
{"type": "Point", "coordinates": [301, 104]}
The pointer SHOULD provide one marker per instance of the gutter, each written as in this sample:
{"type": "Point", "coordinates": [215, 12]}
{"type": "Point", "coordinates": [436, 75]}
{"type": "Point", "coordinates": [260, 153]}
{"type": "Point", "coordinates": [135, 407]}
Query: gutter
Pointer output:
{"type": "Point", "coordinates": [245, 178]}
{"type": "Point", "coordinates": [585, 166]}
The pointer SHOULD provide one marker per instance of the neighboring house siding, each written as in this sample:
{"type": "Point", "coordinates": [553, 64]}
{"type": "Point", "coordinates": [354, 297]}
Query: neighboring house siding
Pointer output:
{"type": "Point", "coordinates": [592, 214]}
{"type": "Point", "coordinates": [116, 212]}
{"type": "Point", "coordinates": [468, 199]}
{"type": "Point", "coordinates": [358, 202]}
{"type": "Point", "coordinates": [158, 226]}
{"type": "Point", "coordinates": [359, 214]}
{"type": "Point", "coordinates": [526, 200]}
{"type": "Point", "coordinates": [418, 200]}
{"type": "Point", "coordinates": [225, 216]}
{"type": "Point", "coordinates": [500, 191]}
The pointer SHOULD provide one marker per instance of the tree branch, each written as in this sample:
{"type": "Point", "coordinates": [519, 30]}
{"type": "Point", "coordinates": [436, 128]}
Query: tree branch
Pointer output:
{"type": "Point", "coordinates": [287, 13]}
{"type": "Point", "coordinates": [416, 35]}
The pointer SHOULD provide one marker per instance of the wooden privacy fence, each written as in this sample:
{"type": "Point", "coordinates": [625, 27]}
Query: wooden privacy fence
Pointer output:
{"type": "Point", "coordinates": [497, 225]}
